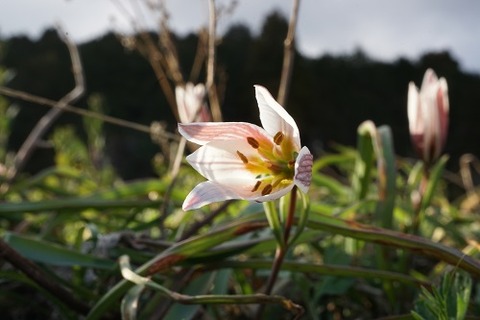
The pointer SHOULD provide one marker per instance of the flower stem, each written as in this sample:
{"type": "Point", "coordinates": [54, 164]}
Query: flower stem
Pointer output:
{"type": "Point", "coordinates": [291, 214]}
{"type": "Point", "coordinates": [418, 211]}
{"type": "Point", "coordinates": [281, 251]}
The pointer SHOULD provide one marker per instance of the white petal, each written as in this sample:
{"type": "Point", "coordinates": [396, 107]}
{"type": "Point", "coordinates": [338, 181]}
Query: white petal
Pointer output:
{"type": "Point", "coordinates": [444, 94]}
{"type": "Point", "coordinates": [199, 91]}
{"type": "Point", "coordinates": [189, 101]}
{"type": "Point", "coordinates": [219, 162]}
{"type": "Point", "coordinates": [430, 78]}
{"type": "Point", "coordinates": [206, 193]}
{"type": "Point", "coordinates": [413, 109]}
{"type": "Point", "coordinates": [204, 132]}
{"type": "Point", "coordinates": [181, 107]}
{"type": "Point", "coordinates": [274, 117]}
{"type": "Point", "coordinates": [303, 169]}
{"type": "Point", "coordinates": [277, 194]}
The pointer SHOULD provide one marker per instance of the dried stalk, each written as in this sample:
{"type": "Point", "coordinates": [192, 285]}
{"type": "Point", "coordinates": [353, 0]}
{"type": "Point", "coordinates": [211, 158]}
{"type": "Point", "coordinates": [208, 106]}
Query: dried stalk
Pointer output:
{"type": "Point", "coordinates": [49, 118]}
{"type": "Point", "coordinates": [212, 90]}
{"type": "Point", "coordinates": [200, 56]}
{"type": "Point", "coordinates": [288, 55]}
{"type": "Point", "coordinates": [82, 112]}
{"type": "Point", "coordinates": [153, 55]}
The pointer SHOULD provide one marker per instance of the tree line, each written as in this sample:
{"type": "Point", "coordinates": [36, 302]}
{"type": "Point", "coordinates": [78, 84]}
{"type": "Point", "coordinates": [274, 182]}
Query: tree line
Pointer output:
{"type": "Point", "coordinates": [329, 96]}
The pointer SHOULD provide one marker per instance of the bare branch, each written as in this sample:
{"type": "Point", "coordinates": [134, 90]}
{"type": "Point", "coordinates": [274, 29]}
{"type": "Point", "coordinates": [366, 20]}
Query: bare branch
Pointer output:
{"type": "Point", "coordinates": [49, 118]}
{"type": "Point", "coordinates": [83, 112]}
{"type": "Point", "coordinates": [212, 25]}
{"type": "Point", "coordinates": [200, 56]}
{"type": "Point", "coordinates": [212, 90]}
{"type": "Point", "coordinates": [153, 55]}
{"type": "Point", "coordinates": [288, 55]}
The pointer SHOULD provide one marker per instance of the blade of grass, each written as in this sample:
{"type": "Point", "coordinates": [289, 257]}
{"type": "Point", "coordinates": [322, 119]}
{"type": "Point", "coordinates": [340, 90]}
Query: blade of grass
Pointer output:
{"type": "Point", "coordinates": [74, 204]}
{"type": "Point", "coordinates": [387, 237]}
{"type": "Point", "coordinates": [323, 269]}
{"type": "Point", "coordinates": [175, 254]}
{"type": "Point", "coordinates": [53, 254]}
{"type": "Point", "coordinates": [364, 164]}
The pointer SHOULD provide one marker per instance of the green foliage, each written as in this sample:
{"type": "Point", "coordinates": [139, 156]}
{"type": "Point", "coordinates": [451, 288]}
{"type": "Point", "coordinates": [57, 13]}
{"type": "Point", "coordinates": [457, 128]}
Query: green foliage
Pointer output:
{"type": "Point", "coordinates": [449, 301]}
{"type": "Point", "coordinates": [371, 238]}
{"type": "Point", "coordinates": [76, 220]}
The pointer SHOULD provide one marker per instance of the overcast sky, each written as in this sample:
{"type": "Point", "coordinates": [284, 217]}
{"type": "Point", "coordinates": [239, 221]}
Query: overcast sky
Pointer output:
{"type": "Point", "coordinates": [384, 29]}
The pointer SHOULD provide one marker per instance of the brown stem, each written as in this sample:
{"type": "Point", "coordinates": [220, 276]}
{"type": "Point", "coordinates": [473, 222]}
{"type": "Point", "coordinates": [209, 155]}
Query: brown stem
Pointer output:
{"type": "Point", "coordinates": [277, 263]}
{"type": "Point", "coordinates": [32, 271]}
{"type": "Point", "coordinates": [288, 54]}
{"type": "Point", "coordinates": [291, 214]}
{"type": "Point", "coordinates": [281, 250]}
{"type": "Point", "coordinates": [211, 87]}
{"type": "Point", "coordinates": [49, 118]}
{"type": "Point", "coordinates": [82, 112]}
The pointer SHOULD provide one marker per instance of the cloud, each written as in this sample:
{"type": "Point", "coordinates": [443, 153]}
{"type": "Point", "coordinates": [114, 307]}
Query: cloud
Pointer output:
{"type": "Point", "coordinates": [389, 29]}
{"type": "Point", "coordinates": [383, 29]}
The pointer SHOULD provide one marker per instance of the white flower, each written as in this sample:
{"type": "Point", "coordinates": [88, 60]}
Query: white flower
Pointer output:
{"type": "Point", "coordinates": [244, 161]}
{"type": "Point", "coordinates": [191, 104]}
{"type": "Point", "coordinates": [428, 116]}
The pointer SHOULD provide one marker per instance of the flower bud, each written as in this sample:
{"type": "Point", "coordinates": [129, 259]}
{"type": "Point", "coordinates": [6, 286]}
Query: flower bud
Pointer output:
{"type": "Point", "coordinates": [428, 116]}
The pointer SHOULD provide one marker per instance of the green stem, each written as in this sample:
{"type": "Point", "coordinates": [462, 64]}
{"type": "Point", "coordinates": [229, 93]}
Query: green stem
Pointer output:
{"type": "Point", "coordinates": [282, 249]}
{"type": "Point", "coordinates": [418, 210]}
{"type": "Point", "coordinates": [262, 299]}
{"type": "Point", "coordinates": [291, 215]}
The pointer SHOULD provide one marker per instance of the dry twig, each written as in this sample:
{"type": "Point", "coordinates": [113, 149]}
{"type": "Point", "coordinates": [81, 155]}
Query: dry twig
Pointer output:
{"type": "Point", "coordinates": [211, 88]}
{"type": "Point", "coordinates": [49, 118]}
{"type": "Point", "coordinates": [288, 55]}
{"type": "Point", "coordinates": [82, 112]}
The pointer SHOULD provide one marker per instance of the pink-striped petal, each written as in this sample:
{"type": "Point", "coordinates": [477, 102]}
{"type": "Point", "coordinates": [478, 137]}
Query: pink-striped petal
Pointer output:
{"type": "Point", "coordinates": [303, 169]}
{"type": "Point", "coordinates": [204, 132]}
{"type": "Point", "coordinates": [205, 193]}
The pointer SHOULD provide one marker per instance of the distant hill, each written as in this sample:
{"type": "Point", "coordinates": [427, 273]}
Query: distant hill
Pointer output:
{"type": "Point", "coordinates": [330, 95]}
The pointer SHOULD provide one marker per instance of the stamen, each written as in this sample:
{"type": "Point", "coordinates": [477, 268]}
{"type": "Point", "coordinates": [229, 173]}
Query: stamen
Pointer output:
{"type": "Point", "coordinates": [253, 142]}
{"type": "Point", "coordinates": [277, 182]}
{"type": "Point", "coordinates": [242, 156]}
{"type": "Point", "coordinates": [256, 186]}
{"type": "Point", "coordinates": [278, 138]}
{"type": "Point", "coordinates": [275, 168]}
{"type": "Point", "coordinates": [268, 189]}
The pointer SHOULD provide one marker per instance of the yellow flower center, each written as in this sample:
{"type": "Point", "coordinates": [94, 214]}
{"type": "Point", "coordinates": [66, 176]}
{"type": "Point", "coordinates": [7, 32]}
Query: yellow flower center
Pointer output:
{"type": "Point", "coordinates": [273, 164]}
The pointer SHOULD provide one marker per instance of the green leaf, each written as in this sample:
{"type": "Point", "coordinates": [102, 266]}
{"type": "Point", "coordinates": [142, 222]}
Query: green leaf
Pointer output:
{"type": "Point", "coordinates": [388, 237]}
{"type": "Point", "coordinates": [334, 187]}
{"type": "Point", "coordinates": [198, 286]}
{"type": "Point", "coordinates": [386, 176]}
{"type": "Point", "coordinates": [129, 305]}
{"type": "Point", "coordinates": [364, 162]}
{"type": "Point", "coordinates": [274, 221]}
{"type": "Point", "coordinates": [53, 254]}
{"type": "Point", "coordinates": [74, 204]}
{"type": "Point", "coordinates": [178, 252]}
{"type": "Point", "coordinates": [433, 180]}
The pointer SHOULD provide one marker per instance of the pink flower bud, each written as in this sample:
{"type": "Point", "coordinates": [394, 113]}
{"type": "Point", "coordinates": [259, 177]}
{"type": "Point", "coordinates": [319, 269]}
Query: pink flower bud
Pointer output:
{"type": "Point", "coordinates": [428, 116]}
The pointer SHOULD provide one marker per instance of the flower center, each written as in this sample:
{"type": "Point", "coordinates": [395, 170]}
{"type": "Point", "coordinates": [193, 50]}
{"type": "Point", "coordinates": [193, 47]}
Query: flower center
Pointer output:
{"type": "Point", "coordinates": [273, 163]}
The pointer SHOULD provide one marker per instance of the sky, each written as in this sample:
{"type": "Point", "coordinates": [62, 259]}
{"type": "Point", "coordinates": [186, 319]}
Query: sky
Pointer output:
{"type": "Point", "coordinates": [384, 29]}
